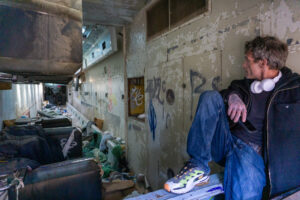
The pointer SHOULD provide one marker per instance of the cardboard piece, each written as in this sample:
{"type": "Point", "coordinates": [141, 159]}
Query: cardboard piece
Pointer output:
{"type": "Point", "coordinates": [5, 86]}
{"type": "Point", "coordinates": [99, 123]}
{"type": "Point", "coordinates": [8, 123]}
{"type": "Point", "coordinates": [117, 185]}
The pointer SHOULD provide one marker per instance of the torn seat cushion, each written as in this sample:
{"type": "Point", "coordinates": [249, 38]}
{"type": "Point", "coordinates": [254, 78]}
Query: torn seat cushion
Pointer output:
{"type": "Point", "coordinates": [69, 180]}
{"type": "Point", "coordinates": [59, 137]}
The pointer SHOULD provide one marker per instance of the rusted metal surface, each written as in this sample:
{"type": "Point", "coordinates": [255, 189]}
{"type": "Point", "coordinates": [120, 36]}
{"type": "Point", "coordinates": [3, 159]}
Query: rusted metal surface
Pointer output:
{"type": "Point", "coordinates": [108, 12]}
{"type": "Point", "coordinates": [40, 37]}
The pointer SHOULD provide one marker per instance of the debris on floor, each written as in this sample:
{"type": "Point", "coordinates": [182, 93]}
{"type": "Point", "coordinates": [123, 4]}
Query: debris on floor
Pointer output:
{"type": "Point", "coordinates": [109, 151]}
{"type": "Point", "coordinates": [102, 147]}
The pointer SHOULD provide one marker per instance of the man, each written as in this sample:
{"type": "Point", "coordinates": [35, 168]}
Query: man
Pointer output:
{"type": "Point", "coordinates": [260, 144]}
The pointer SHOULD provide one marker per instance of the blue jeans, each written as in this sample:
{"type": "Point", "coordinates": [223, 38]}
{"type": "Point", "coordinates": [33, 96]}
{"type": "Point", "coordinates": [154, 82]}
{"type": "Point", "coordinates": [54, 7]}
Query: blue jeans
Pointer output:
{"type": "Point", "coordinates": [210, 139]}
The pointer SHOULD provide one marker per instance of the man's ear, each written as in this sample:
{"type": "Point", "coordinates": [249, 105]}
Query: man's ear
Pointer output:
{"type": "Point", "coordinates": [264, 63]}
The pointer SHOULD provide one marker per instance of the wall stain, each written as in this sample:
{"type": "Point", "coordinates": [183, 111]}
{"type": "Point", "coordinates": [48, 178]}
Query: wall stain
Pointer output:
{"type": "Point", "coordinates": [170, 97]}
{"type": "Point", "coordinates": [193, 41]}
{"type": "Point", "coordinates": [172, 48]}
{"type": "Point", "coordinates": [243, 23]}
{"type": "Point", "coordinates": [135, 127]}
{"type": "Point", "coordinates": [85, 104]}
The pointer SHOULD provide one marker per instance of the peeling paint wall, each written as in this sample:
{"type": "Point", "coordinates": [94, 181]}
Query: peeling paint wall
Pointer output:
{"type": "Point", "coordinates": [22, 99]}
{"type": "Point", "coordinates": [203, 54]}
{"type": "Point", "coordinates": [101, 94]}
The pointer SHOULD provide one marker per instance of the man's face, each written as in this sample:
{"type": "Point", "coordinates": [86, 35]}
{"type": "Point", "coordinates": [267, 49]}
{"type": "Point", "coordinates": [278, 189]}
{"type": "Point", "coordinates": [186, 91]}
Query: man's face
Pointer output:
{"type": "Point", "coordinates": [253, 70]}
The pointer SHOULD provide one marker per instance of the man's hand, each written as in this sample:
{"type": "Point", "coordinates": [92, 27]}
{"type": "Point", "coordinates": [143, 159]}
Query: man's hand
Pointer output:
{"type": "Point", "coordinates": [236, 108]}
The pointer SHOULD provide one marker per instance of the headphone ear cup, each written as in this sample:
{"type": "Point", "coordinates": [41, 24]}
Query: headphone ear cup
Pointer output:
{"type": "Point", "coordinates": [267, 85]}
{"type": "Point", "coordinates": [256, 87]}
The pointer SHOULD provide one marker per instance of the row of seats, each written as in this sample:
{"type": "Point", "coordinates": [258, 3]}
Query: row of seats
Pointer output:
{"type": "Point", "coordinates": [50, 150]}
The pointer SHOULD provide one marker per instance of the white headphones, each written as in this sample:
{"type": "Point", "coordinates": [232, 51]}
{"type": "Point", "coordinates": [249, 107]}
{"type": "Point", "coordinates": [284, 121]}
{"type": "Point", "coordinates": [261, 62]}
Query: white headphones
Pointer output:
{"type": "Point", "coordinates": [265, 85]}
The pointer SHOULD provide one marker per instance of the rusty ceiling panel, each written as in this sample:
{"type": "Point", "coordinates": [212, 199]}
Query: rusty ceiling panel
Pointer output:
{"type": "Point", "coordinates": [108, 12]}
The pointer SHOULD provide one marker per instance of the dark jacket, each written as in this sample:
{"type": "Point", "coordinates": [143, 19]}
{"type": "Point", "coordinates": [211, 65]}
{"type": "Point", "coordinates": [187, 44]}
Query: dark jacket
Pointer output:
{"type": "Point", "coordinates": [281, 145]}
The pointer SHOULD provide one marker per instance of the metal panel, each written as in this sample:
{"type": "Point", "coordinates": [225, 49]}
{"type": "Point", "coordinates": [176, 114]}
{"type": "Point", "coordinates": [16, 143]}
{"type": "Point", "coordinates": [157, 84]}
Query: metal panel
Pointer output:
{"type": "Point", "coordinates": [37, 41]}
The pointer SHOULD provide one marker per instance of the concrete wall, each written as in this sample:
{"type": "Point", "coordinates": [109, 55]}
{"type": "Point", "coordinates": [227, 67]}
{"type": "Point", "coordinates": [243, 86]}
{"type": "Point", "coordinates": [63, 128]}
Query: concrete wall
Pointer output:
{"type": "Point", "coordinates": [100, 95]}
{"type": "Point", "coordinates": [203, 54]}
{"type": "Point", "coordinates": [22, 99]}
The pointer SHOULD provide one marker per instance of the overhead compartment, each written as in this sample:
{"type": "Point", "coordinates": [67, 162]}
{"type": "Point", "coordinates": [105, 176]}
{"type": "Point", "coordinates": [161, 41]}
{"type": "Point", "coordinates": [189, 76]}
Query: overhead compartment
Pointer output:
{"type": "Point", "coordinates": [41, 38]}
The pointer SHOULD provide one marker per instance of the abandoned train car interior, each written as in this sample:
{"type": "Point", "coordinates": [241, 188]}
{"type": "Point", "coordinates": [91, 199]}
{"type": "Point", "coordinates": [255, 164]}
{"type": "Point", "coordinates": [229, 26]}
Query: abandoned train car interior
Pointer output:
{"type": "Point", "coordinates": [149, 99]}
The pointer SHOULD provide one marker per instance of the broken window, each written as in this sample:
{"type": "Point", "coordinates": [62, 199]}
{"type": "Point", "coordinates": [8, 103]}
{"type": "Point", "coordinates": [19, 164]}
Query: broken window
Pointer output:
{"type": "Point", "coordinates": [182, 11]}
{"type": "Point", "coordinates": [167, 14]}
{"type": "Point", "coordinates": [158, 18]}
{"type": "Point", "coordinates": [136, 94]}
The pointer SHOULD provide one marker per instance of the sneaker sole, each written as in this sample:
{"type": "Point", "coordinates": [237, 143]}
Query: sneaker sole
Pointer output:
{"type": "Point", "coordinates": [204, 180]}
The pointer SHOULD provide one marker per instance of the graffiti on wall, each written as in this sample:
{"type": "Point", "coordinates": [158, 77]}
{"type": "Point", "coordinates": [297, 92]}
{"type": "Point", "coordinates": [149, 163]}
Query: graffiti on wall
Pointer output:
{"type": "Point", "coordinates": [152, 119]}
{"type": "Point", "coordinates": [136, 96]}
{"type": "Point", "coordinates": [156, 88]}
{"type": "Point", "coordinates": [197, 81]}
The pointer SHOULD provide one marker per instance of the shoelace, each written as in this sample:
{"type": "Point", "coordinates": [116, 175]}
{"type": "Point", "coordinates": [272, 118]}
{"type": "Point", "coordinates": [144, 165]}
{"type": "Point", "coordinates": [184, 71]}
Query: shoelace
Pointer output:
{"type": "Point", "coordinates": [184, 170]}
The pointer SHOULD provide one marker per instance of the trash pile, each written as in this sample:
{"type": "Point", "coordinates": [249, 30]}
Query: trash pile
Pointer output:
{"type": "Point", "coordinates": [107, 150]}
{"type": "Point", "coordinates": [51, 111]}
{"type": "Point", "coordinates": [117, 180]}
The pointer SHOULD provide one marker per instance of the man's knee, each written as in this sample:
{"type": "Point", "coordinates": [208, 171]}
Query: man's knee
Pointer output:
{"type": "Point", "coordinates": [211, 96]}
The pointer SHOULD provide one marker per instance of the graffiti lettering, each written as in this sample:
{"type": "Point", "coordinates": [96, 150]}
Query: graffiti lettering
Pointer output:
{"type": "Point", "coordinates": [152, 119]}
{"type": "Point", "coordinates": [136, 96]}
{"type": "Point", "coordinates": [195, 89]}
{"type": "Point", "coordinates": [215, 82]}
{"type": "Point", "coordinates": [154, 87]}
{"type": "Point", "coordinates": [163, 86]}
{"type": "Point", "coordinates": [196, 77]}
{"type": "Point", "coordinates": [168, 118]}
{"type": "Point", "coordinates": [193, 76]}
{"type": "Point", "coordinates": [150, 88]}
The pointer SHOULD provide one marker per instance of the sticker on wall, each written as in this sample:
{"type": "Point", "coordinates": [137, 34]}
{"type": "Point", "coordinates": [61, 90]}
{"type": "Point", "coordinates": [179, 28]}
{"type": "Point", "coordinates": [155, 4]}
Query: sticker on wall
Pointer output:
{"type": "Point", "coordinates": [136, 96]}
{"type": "Point", "coordinates": [152, 119]}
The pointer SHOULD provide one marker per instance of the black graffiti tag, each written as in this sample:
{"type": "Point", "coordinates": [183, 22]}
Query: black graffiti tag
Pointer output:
{"type": "Point", "coordinates": [154, 86]}
{"type": "Point", "coordinates": [195, 77]}
{"type": "Point", "coordinates": [215, 83]}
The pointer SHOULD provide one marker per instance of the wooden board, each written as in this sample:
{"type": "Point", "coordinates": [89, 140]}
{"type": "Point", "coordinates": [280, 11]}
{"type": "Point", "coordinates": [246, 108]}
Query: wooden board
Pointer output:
{"type": "Point", "coordinates": [117, 185]}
